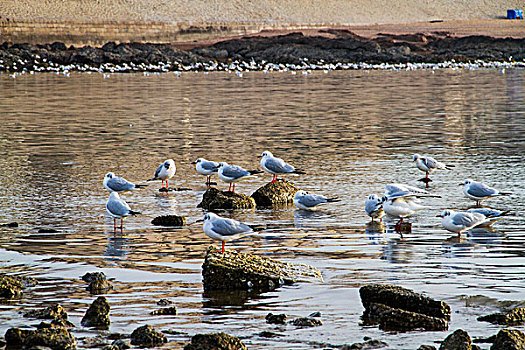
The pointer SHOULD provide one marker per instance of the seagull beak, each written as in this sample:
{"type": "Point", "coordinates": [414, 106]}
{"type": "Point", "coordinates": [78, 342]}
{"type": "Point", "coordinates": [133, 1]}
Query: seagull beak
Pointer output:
{"type": "Point", "coordinates": [439, 216]}
{"type": "Point", "coordinates": [461, 184]}
{"type": "Point", "coordinates": [216, 167]}
{"type": "Point", "coordinates": [196, 222]}
{"type": "Point", "coordinates": [193, 162]}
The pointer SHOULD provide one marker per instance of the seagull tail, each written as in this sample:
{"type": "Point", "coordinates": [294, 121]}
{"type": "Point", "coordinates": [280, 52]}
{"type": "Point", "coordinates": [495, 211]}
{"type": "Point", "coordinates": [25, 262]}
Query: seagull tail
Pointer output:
{"type": "Point", "coordinates": [505, 193]}
{"type": "Point", "coordinates": [134, 212]}
{"type": "Point", "coordinates": [141, 185]}
{"type": "Point", "coordinates": [299, 171]}
{"type": "Point", "coordinates": [152, 179]}
{"type": "Point", "coordinates": [257, 228]}
{"type": "Point", "coordinates": [333, 200]}
{"type": "Point", "coordinates": [254, 172]}
{"type": "Point", "coordinates": [449, 166]}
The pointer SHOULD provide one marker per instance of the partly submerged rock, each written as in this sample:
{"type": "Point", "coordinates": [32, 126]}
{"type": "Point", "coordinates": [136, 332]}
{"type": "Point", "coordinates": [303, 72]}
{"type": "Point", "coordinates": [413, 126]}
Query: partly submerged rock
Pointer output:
{"type": "Point", "coordinates": [515, 317]}
{"type": "Point", "coordinates": [276, 319]}
{"type": "Point", "coordinates": [392, 319]}
{"type": "Point", "coordinates": [99, 287]}
{"type": "Point", "coordinates": [215, 341]}
{"type": "Point", "coordinates": [10, 287]}
{"type": "Point", "coordinates": [459, 340]}
{"type": "Point", "coordinates": [169, 220]}
{"type": "Point", "coordinates": [306, 322]}
{"type": "Point", "coordinates": [94, 276]}
{"type": "Point", "coordinates": [172, 310]}
{"type": "Point", "coordinates": [164, 302]}
{"type": "Point", "coordinates": [55, 312]}
{"type": "Point", "coordinates": [275, 193]}
{"type": "Point", "coordinates": [10, 224]}
{"type": "Point", "coordinates": [54, 338]}
{"type": "Point", "coordinates": [214, 199]}
{"type": "Point", "coordinates": [367, 345]}
{"type": "Point", "coordinates": [240, 271]}
{"type": "Point", "coordinates": [147, 336]}
{"type": "Point", "coordinates": [427, 347]}
{"type": "Point", "coordinates": [97, 315]}
{"type": "Point", "coordinates": [509, 339]}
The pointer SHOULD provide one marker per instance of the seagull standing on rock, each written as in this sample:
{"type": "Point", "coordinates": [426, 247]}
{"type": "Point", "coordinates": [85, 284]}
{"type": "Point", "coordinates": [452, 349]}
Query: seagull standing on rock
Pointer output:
{"type": "Point", "coordinates": [164, 172]}
{"type": "Point", "coordinates": [309, 201]}
{"type": "Point", "coordinates": [233, 173]}
{"type": "Point", "coordinates": [275, 165]}
{"type": "Point", "coordinates": [224, 229]}
{"type": "Point", "coordinates": [206, 168]}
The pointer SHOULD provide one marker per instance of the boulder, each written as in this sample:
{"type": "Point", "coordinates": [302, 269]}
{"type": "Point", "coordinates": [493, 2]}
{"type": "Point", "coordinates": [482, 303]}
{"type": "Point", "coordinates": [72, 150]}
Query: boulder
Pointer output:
{"type": "Point", "coordinates": [240, 271]}
{"type": "Point", "coordinates": [215, 341]}
{"type": "Point", "coordinates": [367, 345]}
{"type": "Point", "coordinates": [393, 319]}
{"type": "Point", "coordinates": [459, 340]}
{"type": "Point", "coordinates": [275, 193]}
{"type": "Point", "coordinates": [276, 319]}
{"type": "Point", "coordinates": [304, 322]}
{"type": "Point", "coordinates": [147, 336]}
{"type": "Point", "coordinates": [97, 315]}
{"type": "Point", "coordinates": [509, 339]}
{"type": "Point", "coordinates": [165, 311]}
{"type": "Point", "coordinates": [169, 220]}
{"type": "Point", "coordinates": [53, 338]}
{"type": "Point", "coordinates": [214, 199]}
{"type": "Point", "coordinates": [55, 312]}
{"type": "Point", "coordinates": [427, 347]}
{"type": "Point", "coordinates": [515, 317]}
{"type": "Point", "coordinates": [94, 276]}
{"type": "Point", "coordinates": [99, 287]}
{"type": "Point", "coordinates": [10, 287]}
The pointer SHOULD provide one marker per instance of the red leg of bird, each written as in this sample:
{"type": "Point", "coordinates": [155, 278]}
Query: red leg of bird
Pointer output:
{"type": "Point", "coordinates": [121, 221]}
{"type": "Point", "coordinates": [223, 247]}
{"type": "Point", "coordinates": [114, 224]}
{"type": "Point", "coordinates": [274, 178]}
{"type": "Point", "coordinates": [230, 189]}
{"type": "Point", "coordinates": [426, 175]}
{"type": "Point", "coordinates": [167, 184]}
{"type": "Point", "coordinates": [234, 187]}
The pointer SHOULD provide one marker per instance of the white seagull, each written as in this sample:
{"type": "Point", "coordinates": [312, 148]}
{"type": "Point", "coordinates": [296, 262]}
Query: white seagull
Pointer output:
{"type": "Point", "coordinates": [397, 190]}
{"type": "Point", "coordinates": [402, 200]}
{"type": "Point", "coordinates": [306, 201]}
{"type": "Point", "coordinates": [118, 209]}
{"type": "Point", "coordinates": [233, 173]}
{"type": "Point", "coordinates": [479, 191]}
{"type": "Point", "coordinates": [224, 229]}
{"type": "Point", "coordinates": [119, 184]}
{"type": "Point", "coordinates": [429, 164]}
{"type": "Point", "coordinates": [275, 165]}
{"type": "Point", "coordinates": [164, 172]}
{"type": "Point", "coordinates": [461, 221]}
{"type": "Point", "coordinates": [493, 215]}
{"type": "Point", "coordinates": [206, 168]}
{"type": "Point", "coordinates": [374, 207]}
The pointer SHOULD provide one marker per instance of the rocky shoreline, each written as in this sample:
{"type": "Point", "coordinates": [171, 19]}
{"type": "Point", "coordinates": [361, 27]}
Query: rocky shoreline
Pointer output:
{"type": "Point", "coordinates": [333, 50]}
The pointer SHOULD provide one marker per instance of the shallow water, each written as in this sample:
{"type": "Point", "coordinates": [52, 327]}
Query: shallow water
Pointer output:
{"type": "Point", "coordinates": [353, 132]}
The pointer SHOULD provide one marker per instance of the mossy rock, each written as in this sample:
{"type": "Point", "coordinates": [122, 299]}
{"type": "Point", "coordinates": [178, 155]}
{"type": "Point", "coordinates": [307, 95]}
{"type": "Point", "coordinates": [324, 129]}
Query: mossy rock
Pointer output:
{"type": "Point", "coordinates": [99, 287]}
{"type": "Point", "coordinates": [147, 336]}
{"type": "Point", "coordinates": [393, 319]}
{"type": "Point", "coordinates": [459, 340]}
{"type": "Point", "coordinates": [94, 276]}
{"type": "Point", "coordinates": [214, 199]}
{"type": "Point", "coordinates": [172, 310]}
{"type": "Point", "coordinates": [215, 341]}
{"type": "Point", "coordinates": [515, 317]}
{"type": "Point", "coordinates": [275, 193]}
{"type": "Point", "coordinates": [97, 315]}
{"type": "Point", "coordinates": [240, 271]}
{"type": "Point", "coordinates": [54, 338]}
{"type": "Point", "coordinates": [55, 312]}
{"type": "Point", "coordinates": [10, 287]}
{"type": "Point", "coordinates": [509, 339]}
{"type": "Point", "coordinates": [169, 220]}
{"type": "Point", "coordinates": [276, 319]}
{"type": "Point", "coordinates": [304, 322]}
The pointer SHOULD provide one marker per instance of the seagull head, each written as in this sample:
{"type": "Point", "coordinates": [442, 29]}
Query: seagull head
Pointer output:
{"type": "Point", "coordinates": [466, 182]}
{"type": "Point", "coordinates": [221, 165]}
{"type": "Point", "coordinates": [300, 193]}
{"type": "Point", "coordinates": [197, 161]}
{"type": "Point", "coordinates": [266, 154]}
{"type": "Point", "coordinates": [445, 213]}
{"type": "Point", "coordinates": [114, 196]}
{"type": "Point", "coordinates": [109, 175]}
{"type": "Point", "coordinates": [168, 163]}
{"type": "Point", "coordinates": [415, 157]}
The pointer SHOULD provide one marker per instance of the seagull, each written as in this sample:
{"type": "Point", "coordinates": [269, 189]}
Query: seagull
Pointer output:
{"type": "Point", "coordinates": [374, 207]}
{"type": "Point", "coordinates": [397, 190]}
{"type": "Point", "coordinates": [118, 208]}
{"type": "Point", "coordinates": [118, 184]}
{"type": "Point", "coordinates": [164, 172]}
{"type": "Point", "coordinates": [479, 191]}
{"type": "Point", "coordinates": [429, 164]}
{"type": "Point", "coordinates": [401, 207]}
{"type": "Point", "coordinates": [206, 168]}
{"type": "Point", "coordinates": [306, 201]}
{"type": "Point", "coordinates": [224, 229]}
{"type": "Point", "coordinates": [275, 165]}
{"type": "Point", "coordinates": [493, 215]}
{"type": "Point", "coordinates": [233, 173]}
{"type": "Point", "coordinates": [461, 221]}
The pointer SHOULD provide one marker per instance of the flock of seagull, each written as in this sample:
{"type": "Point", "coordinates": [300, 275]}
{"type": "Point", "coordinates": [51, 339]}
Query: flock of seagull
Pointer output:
{"type": "Point", "coordinates": [399, 200]}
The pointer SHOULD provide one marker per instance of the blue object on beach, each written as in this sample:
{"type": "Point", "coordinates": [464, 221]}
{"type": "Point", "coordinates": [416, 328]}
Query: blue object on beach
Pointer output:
{"type": "Point", "coordinates": [514, 14]}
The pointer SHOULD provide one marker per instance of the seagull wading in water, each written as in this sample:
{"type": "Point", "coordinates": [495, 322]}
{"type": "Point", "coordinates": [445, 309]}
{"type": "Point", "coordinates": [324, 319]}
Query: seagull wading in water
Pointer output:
{"type": "Point", "coordinates": [224, 229]}
{"type": "Point", "coordinates": [374, 207]}
{"type": "Point", "coordinates": [206, 168]}
{"type": "Point", "coordinates": [115, 183]}
{"type": "Point", "coordinates": [309, 201]}
{"type": "Point", "coordinates": [429, 164]}
{"type": "Point", "coordinates": [164, 172]}
{"type": "Point", "coordinates": [233, 173]}
{"type": "Point", "coordinates": [118, 209]}
{"type": "Point", "coordinates": [479, 191]}
{"type": "Point", "coordinates": [461, 221]}
{"type": "Point", "coordinates": [275, 165]}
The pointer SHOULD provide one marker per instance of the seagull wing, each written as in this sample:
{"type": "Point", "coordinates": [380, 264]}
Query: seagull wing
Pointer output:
{"type": "Point", "coordinates": [118, 207]}
{"type": "Point", "coordinates": [312, 200]}
{"type": "Point", "coordinates": [119, 184]}
{"type": "Point", "coordinates": [209, 165]}
{"type": "Point", "coordinates": [234, 171]}
{"type": "Point", "coordinates": [478, 189]}
{"type": "Point", "coordinates": [468, 219]}
{"type": "Point", "coordinates": [230, 227]}
{"type": "Point", "coordinates": [277, 165]}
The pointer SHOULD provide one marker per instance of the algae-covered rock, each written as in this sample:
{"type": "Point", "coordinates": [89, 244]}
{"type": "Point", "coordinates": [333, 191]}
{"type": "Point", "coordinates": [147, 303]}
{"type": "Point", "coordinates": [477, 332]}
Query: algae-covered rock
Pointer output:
{"type": "Point", "coordinates": [215, 341]}
{"type": "Point", "coordinates": [306, 322]}
{"type": "Point", "coordinates": [94, 276]}
{"type": "Point", "coordinates": [509, 339]}
{"type": "Point", "coordinates": [165, 311]}
{"type": "Point", "coordinates": [367, 345]}
{"type": "Point", "coordinates": [515, 317]}
{"type": "Point", "coordinates": [403, 298]}
{"type": "Point", "coordinates": [393, 319]}
{"type": "Point", "coordinates": [55, 312]}
{"type": "Point", "coordinates": [240, 271]}
{"type": "Point", "coordinates": [276, 319]}
{"type": "Point", "coordinates": [97, 315]}
{"type": "Point", "coordinates": [214, 199]}
{"type": "Point", "coordinates": [10, 287]}
{"type": "Point", "coordinates": [169, 220]}
{"type": "Point", "coordinates": [459, 340]}
{"type": "Point", "coordinates": [54, 338]}
{"type": "Point", "coordinates": [275, 193]}
{"type": "Point", "coordinates": [147, 336]}
{"type": "Point", "coordinates": [427, 347]}
{"type": "Point", "coordinates": [99, 287]}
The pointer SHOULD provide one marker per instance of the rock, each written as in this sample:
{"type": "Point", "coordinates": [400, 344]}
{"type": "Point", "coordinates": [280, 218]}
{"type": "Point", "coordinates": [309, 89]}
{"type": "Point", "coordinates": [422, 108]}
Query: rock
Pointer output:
{"type": "Point", "coordinates": [306, 322]}
{"type": "Point", "coordinates": [315, 314]}
{"type": "Point", "coordinates": [10, 224]}
{"type": "Point", "coordinates": [515, 317]}
{"type": "Point", "coordinates": [368, 345]}
{"type": "Point", "coordinates": [121, 344]}
{"type": "Point", "coordinates": [164, 302]}
{"type": "Point", "coordinates": [55, 312]}
{"type": "Point", "coordinates": [56, 323]}
{"type": "Point", "coordinates": [276, 319]}
{"type": "Point", "coordinates": [459, 340]}
{"type": "Point", "coordinates": [403, 298]}
{"type": "Point", "coordinates": [240, 271]}
{"type": "Point", "coordinates": [94, 276]}
{"type": "Point", "coordinates": [99, 287]}
{"type": "Point", "coordinates": [54, 338]}
{"type": "Point", "coordinates": [47, 230]}
{"type": "Point", "coordinates": [392, 319]}
{"type": "Point", "coordinates": [165, 311]}
{"type": "Point", "coordinates": [147, 336]}
{"type": "Point", "coordinates": [509, 339]}
{"type": "Point", "coordinates": [10, 287]}
{"type": "Point", "coordinates": [97, 315]}
{"type": "Point", "coordinates": [275, 193]}
{"type": "Point", "coordinates": [427, 347]}
{"type": "Point", "coordinates": [214, 199]}
{"type": "Point", "coordinates": [215, 341]}
{"type": "Point", "coordinates": [169, 220]}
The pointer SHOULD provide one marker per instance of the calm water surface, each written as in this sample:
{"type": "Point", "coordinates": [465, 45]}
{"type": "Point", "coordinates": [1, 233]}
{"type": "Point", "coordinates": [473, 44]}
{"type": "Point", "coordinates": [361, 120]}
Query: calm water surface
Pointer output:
{"type": "Point", "coordinates": [352, 131]}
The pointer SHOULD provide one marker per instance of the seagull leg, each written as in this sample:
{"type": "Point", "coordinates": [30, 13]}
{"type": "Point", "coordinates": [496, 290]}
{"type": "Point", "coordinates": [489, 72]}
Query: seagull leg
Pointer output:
{"type": "Point", "coordinates": [222, 247]}
{"type": "Point", "coordinates": [230, 189]}
{"type": "Point", "coordinates": [121, 221]}
{"type": "Point", "coordinates": [234, 187]}
{"type": "Point", "coordinates": [274, 178]}
{"type": "Point", "coordinates": [167, 184]}
{"type": "Point", "coordinates": [114, 224]}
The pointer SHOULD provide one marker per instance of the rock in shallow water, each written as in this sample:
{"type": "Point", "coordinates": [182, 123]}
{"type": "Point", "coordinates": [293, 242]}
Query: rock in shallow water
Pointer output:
{"type": "Point", "coordinates": [10, 287]}
{"type": "Point", "coordinates": [97, 314]}
{"type": "Point", "coordinates": [147, 336]}
{"type": "Point", "coordinates": [275, 193]}
{"type": "Point", "coordinates": [55, 312]}
{"type": "Point", "coordinates": [215, 341]}
{"type": "Point", "coordinates": [515, 317]}
{"type": "Point", "coordinates": [393, 319]}
{"type": "Point", "coordinates": [214, 199]}
{"type": "Point", "coordinates": [94, 276]}
{"type": "Point", "coordinates": [509, 339]}
{"type": "Point", "coordinates": [54, 338]}
{"type": "Point", "coordinates": [240, 271]}
{"type": "Point", "coordinates": [276, 319]}
{"type": "Point", "coordinates": [169, 220]}
{"type": "Point", "coordinates": [459, 340]}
